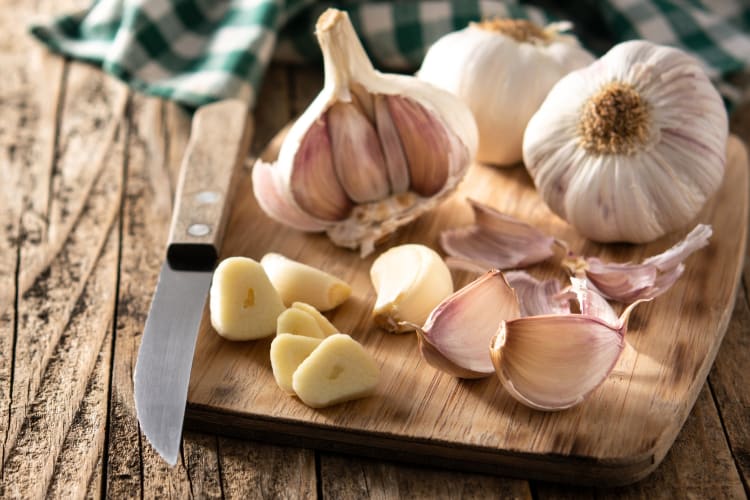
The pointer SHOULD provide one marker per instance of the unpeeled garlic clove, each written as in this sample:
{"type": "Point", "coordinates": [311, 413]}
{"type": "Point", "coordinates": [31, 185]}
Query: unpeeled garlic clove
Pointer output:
{"type": "Point", "coordinates": [357, 154]}
{"type": "Point", "coordinates": [495, 241]}
{"type": "Point", "coordinates": [554, 362]}
{"type": "Point", "coordinates": [396, 164]}
{"type": "Point", "coordinates": [314, 183]}
{"type": "Point", "coordinates": [398, 147]}
{"type": "Point", "coordinates": [410, 280]}
{"type": "Point", "coordinates": [455, 336]}
{"type": "Point", "coordinates": [298, 282]}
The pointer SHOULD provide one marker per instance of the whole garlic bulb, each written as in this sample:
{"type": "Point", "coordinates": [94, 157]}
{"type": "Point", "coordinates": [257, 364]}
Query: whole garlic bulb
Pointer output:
{"type": "Point", "coordinates": [371, 153]}
{"type": "Point", "coordinates": [502, 69]}
{"type": "Point", "coordinates": [631, 147]}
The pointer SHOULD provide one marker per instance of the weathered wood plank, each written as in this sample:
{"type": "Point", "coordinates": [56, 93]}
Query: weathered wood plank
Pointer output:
{"type": "Point", "coordinates": [78, 471]}
{"type": "Point", "coordinates": [730, 382]}
{"type": "Point", "coordinates": [30, 464]}
{"type": "Point", "coordinates": [132, 466]}
{"type": "Point", "coordinates": [26, 144]}
{"type": "Point", "coordinates": [44, 309]}
{"type": "Point", "coordinates": [698, 465]}
{"type": "Point", "coordinates": [353, 477]}
{"type": "Point", "coordinates": [255, 470]}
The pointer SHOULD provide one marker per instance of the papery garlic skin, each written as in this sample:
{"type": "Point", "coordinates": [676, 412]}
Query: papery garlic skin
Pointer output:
{"type": "Point", "coordinates": [631, 147]}
{"type": "Point", "coordinates": [371, 153]}
{"type": "Point", "coordinates": [503, 78]}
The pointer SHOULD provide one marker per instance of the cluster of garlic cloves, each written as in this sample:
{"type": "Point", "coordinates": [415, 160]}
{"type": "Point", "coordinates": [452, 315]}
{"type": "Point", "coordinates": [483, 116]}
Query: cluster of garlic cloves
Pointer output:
{"type": "Point", "coordinates": [371, 153]}
{"type": "Point", "coordinates": [547, 356]}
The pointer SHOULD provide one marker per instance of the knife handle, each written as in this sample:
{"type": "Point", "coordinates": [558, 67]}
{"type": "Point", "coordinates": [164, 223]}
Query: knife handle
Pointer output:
{"type": "Point", "coordinates": [219, 138]}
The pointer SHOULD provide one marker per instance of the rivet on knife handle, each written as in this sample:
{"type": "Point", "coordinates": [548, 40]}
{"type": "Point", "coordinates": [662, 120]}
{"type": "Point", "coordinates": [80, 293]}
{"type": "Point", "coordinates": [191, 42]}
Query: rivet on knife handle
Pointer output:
{"type": "Point", "coordinates": [207, 177]}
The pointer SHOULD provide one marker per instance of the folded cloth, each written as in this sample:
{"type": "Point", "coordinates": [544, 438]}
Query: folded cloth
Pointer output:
{"type": "Point", "coordinates": [198, 51]}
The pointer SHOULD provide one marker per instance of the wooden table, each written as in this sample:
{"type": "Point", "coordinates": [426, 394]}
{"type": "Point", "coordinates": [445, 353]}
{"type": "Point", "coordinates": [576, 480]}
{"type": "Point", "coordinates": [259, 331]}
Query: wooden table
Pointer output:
{"type": "Point", "coordinates": [87, 172]}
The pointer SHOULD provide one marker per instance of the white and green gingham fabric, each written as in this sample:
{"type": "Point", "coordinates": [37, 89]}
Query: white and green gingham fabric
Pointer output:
{"type": "Point", "coordinates": [198, 51]}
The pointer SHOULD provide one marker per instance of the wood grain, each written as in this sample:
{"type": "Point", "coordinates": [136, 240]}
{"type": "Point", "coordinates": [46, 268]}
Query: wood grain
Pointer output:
{"type": "Point", "coordinates": [672, 344]}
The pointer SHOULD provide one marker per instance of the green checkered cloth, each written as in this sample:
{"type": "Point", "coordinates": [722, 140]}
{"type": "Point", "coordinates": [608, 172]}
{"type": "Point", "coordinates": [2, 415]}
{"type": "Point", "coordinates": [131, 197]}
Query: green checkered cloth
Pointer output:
{"type": "Point", "coordinates": [198, 51]}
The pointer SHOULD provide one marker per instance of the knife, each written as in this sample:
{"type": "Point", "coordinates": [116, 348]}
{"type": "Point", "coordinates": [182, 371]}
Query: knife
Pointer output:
{"type": "Point", "coordinates": [219, 138]}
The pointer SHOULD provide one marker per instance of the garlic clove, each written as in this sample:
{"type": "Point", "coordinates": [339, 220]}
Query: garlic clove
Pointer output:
{"type": "Point", "coordinates": [298, 282]}
{"type": "Point", "coordinates": [338, 370]}
{"type": "Point", "coordinates": [628, 282]}
{"type": "Point", "coordinates": [296, 321]}
{"type": "Point", "coordinates": [287, 353]}
{"type": "Point", "coordinates": [243, 303]}
{"type": "Point", "coordinates": [456, 334]}
{"type": "Point", "coordinates": [357, 154]}
{"type": "Point", "coordinates": [314, 183]}
{"type": "Point", "coordinates": [276, 201]}
{"type": "Point", "coordinates": [496, 240]}
{"type": "Point", "coordinates": [324, 325]}
{"type": "Point", "coordinates": [410, 280]}
{"type": "Point", "coordinates": [383, 196]}
{"type": "Point", "coordinates": [554, 362]}
{"type": "Point", "coordinates": [396, 164]}
{"type": "Point", "coordinates": [537, 297]}
{"type": "Point", "coordinates": [425, 144]}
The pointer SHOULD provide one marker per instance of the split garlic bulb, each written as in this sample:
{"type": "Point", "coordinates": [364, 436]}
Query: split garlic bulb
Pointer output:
{"type": "Point", "coordinates": [631, 147]}
{"type": "Point", "coordinates": [371, 153]}
{"type": "Point", "coordinates": [502, 69]}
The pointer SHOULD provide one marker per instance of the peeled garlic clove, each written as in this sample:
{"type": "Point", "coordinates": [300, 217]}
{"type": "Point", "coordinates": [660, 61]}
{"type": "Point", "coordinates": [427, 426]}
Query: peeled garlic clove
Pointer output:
{"type": "Point", "coordinates": [298, 282]}
{"type": "Point", "coordinates": [496, 241]}
{"type": "Point", "coordinates": [338, 370]}
{"type": "Point", "coordinates": [537, 297]}
{"type": "Point", "coordinates": [287, 353]}
{"type": "Point", "coordinates": [502, 69]}
{"type": "Point", "coordinates": [243, 303]}
{"type": "Point", "coordinates": [296, 321]}
{"type": "Point", "coordinates": [410, 280]}
{"type": "Point", "coordinates": [314, 183]}
{"type": "Point", "coordinates": [630, 147]}
{"type": "Point", "coordinates": [455, 336]}
{"type": "Point", "coordinates": [357, 154]}
{"type": "Point", "coordinates": [398, 147]}
{"type": "Point", "coordinates": [324, 325]}
{"type": "Point", "coordinates": [628, 282]}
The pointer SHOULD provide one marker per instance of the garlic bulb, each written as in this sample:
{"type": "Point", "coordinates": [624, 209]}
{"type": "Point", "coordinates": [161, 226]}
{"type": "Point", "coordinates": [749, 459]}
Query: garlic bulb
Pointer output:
{"type": "Point", "coordinates": [631, 147]}
{"type": "Point", "coordinates": [371, 153]}
{"type": "Point", "coordinates": [503, 70]}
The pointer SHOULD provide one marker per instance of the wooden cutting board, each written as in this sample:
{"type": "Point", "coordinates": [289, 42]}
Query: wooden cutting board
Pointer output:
{"type": "Point", "coordinates": [617, 436]}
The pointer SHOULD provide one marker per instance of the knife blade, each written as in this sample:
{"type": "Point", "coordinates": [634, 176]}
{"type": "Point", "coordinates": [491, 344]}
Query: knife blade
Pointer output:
{"type": "Point", "coordinates": [219, 137]}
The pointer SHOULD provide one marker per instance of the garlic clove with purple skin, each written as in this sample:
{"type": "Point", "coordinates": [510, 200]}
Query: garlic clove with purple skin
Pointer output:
{"type": "Point", "coordinates": [538, 297]}
{"type": "Point", "coordinates": [455, 336]}
{"type": "Point", "coordinates": [554, 362]}
{"type": "Point", "coordinates": [371, 153]}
